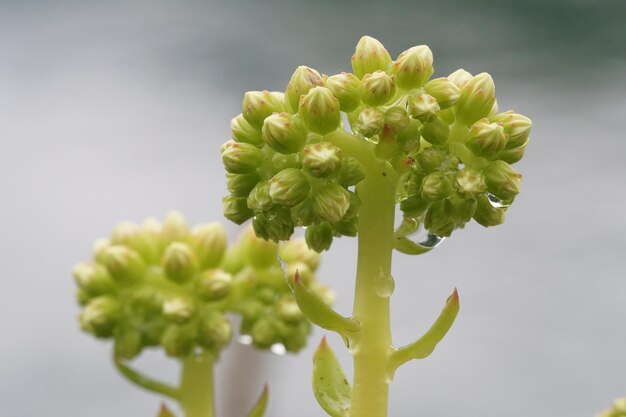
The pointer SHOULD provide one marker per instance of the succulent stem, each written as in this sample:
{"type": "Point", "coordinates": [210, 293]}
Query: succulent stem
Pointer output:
{"type": "Point", "coordinates": [196, 386]}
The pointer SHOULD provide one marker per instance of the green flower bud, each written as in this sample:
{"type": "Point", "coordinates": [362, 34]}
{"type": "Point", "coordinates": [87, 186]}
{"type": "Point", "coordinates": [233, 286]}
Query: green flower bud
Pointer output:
{"type": "Point", "coordinates": [430, 159]}
{"type": "Point", "coordinates": [387, 145]}
{"type": "Point", "coordinates": [179, 262]}
{"type": "Point", "coordinates": [99, 247]}
{"type": "Point", "coordinates": [445, 91]}
{"type": "Point", "coordinates": [275, 225]}
{"type": "Point", "coordinates": [397, 118]}
{"type": "Point", "coordinates": [331, 201]}
{"type": "Point", "coordinates": [302, 80]}
{"type": "Point", "coordinates": [175, 228]}
{"type": "Point", "coordinates": [423, 107]}
{"type": "Point", "coordinates": [513, 155]}
{"type": "Point", "coordinates": [435, 186]}
{"type": "Point", "coordinates": [259, 198]}
{"type": "Point", "coordinates": [289, 187]}
{"type": "Point", "coordinates": [280, 162]}
{"type": "Point", "coordinates": [209, 242]}
{"type": "Point", "coordinates": [409, 138]}
{"type": "Point", "coordinates": [127, 343]}
{"type": "Point", "coordinates": [319, 237]}
{"type": "Point", "coordinates": [240, 185]}
{"type": "Point", "coordinates": [377, 88]}
{"type": "Point", "coordinates": [179, 309]}
{"type": "Point", "coordinates": [370, 56]}
{"type": "Point", "coordinates": [93, 278]}
{"type": "Point", "coordinates": [351, 172]}
{"type": "Point", "coordinates": [146, 301]}
{"type": "Point", "coordinates": [303, 271]}
{"type": "Point", "coordinates": [259, 252]}
{"type": "Point", "coordinates": [236, 209]}
{"type": "Point", "coordinates": [470, 183]}
{"type": "Point", "coordinates": [241, 158]}
{"type": "Point", "coordinates": [244, 132]}
{"type": "Point", "coordinates": [82, 297]}
{"type": "Point", "coordinates": [516, 126]}
{"type": "Point", "coordinates": [264, 333]}
{"type": "Point", "coordinates": [288, 310]}
{"type": "Point", "coordinates": [460, 77]}
{"type": "Point", "coordinates": [296, 336]}
{"type": "Point", "coordinates": [319, 110]}
{"type": "Point", "coordinates": [486, 214]}
{"type": "Point", "coordinates": [502, 180]}
{"type": "Point", "coordinates": [322, 159]}
{"type": "Point", "coordinates": [476, 100]}
{"type": "Point", "coordinates": [257, 105]}
{"type": "Point", "coordinates": [214, 331]}
{"type": "Point", "coordinates": [345, 227]}
{"type": "Point", "coordinates": [486, 139]}
{"type": "Point", "coordinates": [346, 87]}
{"type": "Point", "coordinates": [370, 122]}
{"type": "Point", "coordinates": [124, 264]}
{"type": "Point", "coordinates": [152, 331]}
{"type": "Point", "coordinates": [414, 206]}
{"type": "Point", "coordinates": [303, 213]}
{"type": "Point", "coordinates": [214, 284]}
{"type": "Point", "coordinates": [461, 210]}
{"type": "Point", "coordinates": [177, 341]}
{"type": "Point", "coordinates": [100, 316]}
{"type": "Point", "coordinates": [296, 250]}
{"type": "Point", "coordinates": [142, 241]}
{"type": "Point", "coordinates": [284, 133]}
{"type": "Point", "coordinates": [436, 132]}
{"type": "Point", "coordinates": [413, 67]}
{"type": "Point", "coordinates": [438, 219]}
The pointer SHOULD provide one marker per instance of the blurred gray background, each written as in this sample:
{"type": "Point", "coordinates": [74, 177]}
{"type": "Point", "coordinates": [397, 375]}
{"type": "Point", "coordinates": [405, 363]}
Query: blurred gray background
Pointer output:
{"type": "Point", "coordinates": [116, 110]}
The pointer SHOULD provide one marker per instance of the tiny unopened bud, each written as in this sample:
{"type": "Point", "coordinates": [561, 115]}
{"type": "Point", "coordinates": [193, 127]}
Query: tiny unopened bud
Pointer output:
{"type": "Point", "coordinates": [413, 67]}
{"type": "Point", "coordinates": [513, 155]}
{"type": "Point", "coordinates": [322, 159]}
{"type": "Point", "coordinates": [438, 219]}
{"type": "Point", "coordinates": [82, 297]}
{"type": "Point", "coordinates": [351, 172]}
{"type": "Point", "coordinates": [236, 209]}
{"type": "Point", "coordinates": [397, 118]}
{"type": "Point", "coordinates": [259, 198]}
{"type": "Point", "coordinates": [445, 91]}
{"type": "Point", "coordinates": [476, 99]}
{"type": "Point", "coordinates": [127, 343]}
{"type": "Point", "coordinates": [240, 185]}
{"type": "Point", "coordinates": [430, 159]}
{"type": "Point", "coordinates": [243, 131]}
{"type": "Point", "coordinates": [370, 122]}
{"type": "Point", "coordinates": [486, 214]}
{"type": "Point", "coordinates": [302, 80]}
{"type": "Point", "coordinates": [409, 138]}
{"type": "Point", "coordinates": [331, 201]}
{"type": "Point", "coordinates": [470, 183]}
{"type": "Point", "coordinates": [214, 330]}
{"type": "Point", "coordinates": [304, 273]}
{"type": "Point", "coordinates": [289, 187]}
{"type": "Point", "coordinates": [423, 107]}
{"type": "Point", "coordinates": [214, 284]}
{"type": "Point", "coordinates": [436, 132]}
{"type": "Point", "coordinates": [486, 139]}
{"type": "Point", "coordinates": [460, 77]}
{"type": "Point", "coordinates": [124, 264]}
{"type": "Point", "coordinates": [346, 87]}
{"type": "Point", "coordinates": [275, 225]}
{"type": "Point", "coordinates": [288, 310]}
{"type": "Point", "coordinates": [516, 126]}
{"type": "Point", "coordinates": [370, 56]}
{"type": "Point", "coordinates": [303, 213]}
{"type": "Point", "coordinates": [209, 242]}
{"type": "Point", "coordinates": [259, 252]}
{"type": "Point", "coordinates": [93, 278]}
{"type": "Point", "coordinates": [241, 158]}
{"type": "Point", "coordinates": [98, 249]}
{"type": "Point", "coordinates": [461, 210]}
{"type": "Point", "coordinates": [264, 333]}
{"type": "Point", "coordinates": [179, 262]}
{"type": "Point", "coordinates": [137, 238]}
{"type": "Point", "coordinates": [435, 186]}
{"type": "Point", "coordinates": [100, 316]}
{"type": "Point", "coordinates": [179, 309]}
{"type": "Point", "coordinates": [319, 237]}
{"type": "Point", "coordinates": [502, 180]}
{"type": "Point", "coordinates": [295, 338]}
{"type": "Point", "coordinates": [257, 105]}
{"type": "Point", "coordinates": [146, 300]}
{"type": "Point", "coordinates": [319, 110]}
{"type": "Point", "coordinates": [175, 228]}
{"type": "Point", "coordinates": [414, 206]}
{"type": "Point", "coordinates": [377, 88]}
{"type": "Point", "coordinates": [177, 340]}
{"type": "Point", "coordinates": [284, 133]}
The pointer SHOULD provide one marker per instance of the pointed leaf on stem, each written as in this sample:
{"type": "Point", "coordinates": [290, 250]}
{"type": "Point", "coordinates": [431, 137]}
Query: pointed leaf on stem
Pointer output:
{"type": "Point", "coordinates": [405, 245]}
{"type": "Point", "coordinates": [165, 412]}
{"type": "Point", "coordinates": [330, 385]}
{"type": "Point", "coordinates": [425, 345]}
{"type": "Point", "coordinates": [316, 310]}
{"type": "Point", "coordinates": [261, 404]}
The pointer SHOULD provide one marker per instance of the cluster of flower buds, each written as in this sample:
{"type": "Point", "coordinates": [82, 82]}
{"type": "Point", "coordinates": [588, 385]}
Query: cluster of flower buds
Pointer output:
{"type": "Point", "coordinates": [162, 284]}
{"type": "Point", "coordinates": [444, 137]}
{"type": "Point", "coordinates": [617, 410]}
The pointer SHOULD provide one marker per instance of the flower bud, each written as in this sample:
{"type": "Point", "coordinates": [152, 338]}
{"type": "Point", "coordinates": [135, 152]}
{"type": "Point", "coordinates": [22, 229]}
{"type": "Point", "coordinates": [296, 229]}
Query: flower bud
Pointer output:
{"type": "Point", "coordinates": [346, 227]}
{"type": "Point", "coordinates": [259, 252]}
{"type": "Point", "coordinates": [240, 185]}
{"type": "Point", "coordinates": [289, 187]}
{"type": "Point", "coordinates": [435, 186]}
{"type": "Point", "coordinates": [435, 132]}
{"type": "Point", "coordinates": [175, 228]}
{"type": "Point", "coordinates": [369, 122]}
{"type": "Point", "coordinates": [470, 183]}
{"type": "Point", "coordinates": [275, 225]}
{"type": "Point", "coordinates": [319, 110]}
{"type": "Point", "coordinates": [100, 316]}
{"type": "Point", "coordinates": [516, 126]}
{"type": "Point", "coordinates": [387, 145]}
{"type": "Point", "coordinates": [502, 180]}
{"type": "Point", "coordinates": [331, 201]}
{"type": "Point", "coordinates": [98, 249]}
{"type": "Point", "coordinates": [264, 333]}
{"type": "Point", "coordinates": [397, 118]}
{"type": "Point", "coordinates": [513, 155]}
{"type": "Point", "coordinates": [346, 87]}
{"type": "Point", "coordinates": [377, 88]}
{"type": "Point", "coordinates": [179, 262]}
{"type": "Point", "coordinates": [244, 132]}
{"type": "Point", "coordinates": [409, 138]}
{"type": "Point", "coordinates": [127, 343]}
{"type": "Point", "coordinates": [241, 158]}
{"type": "Point", "coordinates": [214, 331]}
{"type": "Point", "coordinates": [209, 242]}
{"type": "Point", "coordinates": [179, 309]}
{"type": "Point", "coordinates": [413, 67]}
{"type": "Point", "coordinates": [280, 162]}
{"type": "Point", "coordinates": [259, 198]}
{"type": "Point", "coordinates": [460, 77]}
{"type": "Point", "coordinates": [257, 105]}
{"type": "Point", "coordinates": [351, 172]}
{"type": "Point", "coordinates": [445, 92]}
{"type": "Point", "coordinates": [82, 297]}
{"type": "Point", "coordinates": [486, 214]}
{"type": "Point", "coordinates": [302, 80]}
{"type": "Point", "coordinates": [295, 338]}
{"type": "Point", "coordinates": [146, 301]}
{"type": "Point", "coordinates": [130, 234]}
{"type": "Point", "coordinates": [124, 264]}
{"type": "Point", "coordinates": [370, 56]}
{"type": "Point", "coordinates": [303, 213]}
{"type": "Point", "coordinates": [476, 99]}
{"type": "Point", "coordinates": [288, 310]}
{"type": "Point", "coordinates": [304, 272]}
{"type": "Point", "coordinates": [236, 209]}
{"type": "Point", "coordinates": [214, 284]}
{"type": "Point", "coordinates": [93, 278]}
{"type": "Point", "coordinates": [414, 206]}
{"type": "Point", "coordinates": [430, 159]}
{"type": "Point", "coordinates": [486, 139]}
{"type": "Point", "coordinates": [319, 237]}
{"type": "Point", "coordinates": [284, 133]}
{"type": "Point", "coordinates": [461, 210]}
{"type": "Point", "coordinates": [322, 159]}
{"type": "Point", "coordinates": [177, 340]}
{"type": "Point", "coordinates": [423, 107]}
{"type": "Point", "coordinates": [438, 219]}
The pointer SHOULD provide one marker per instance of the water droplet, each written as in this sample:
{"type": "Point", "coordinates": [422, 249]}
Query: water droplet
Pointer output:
{"type": "Point", "coordinates": [498, 203]}
{"type": "Point", "coordinates": [384, 284]}
{"type": "Point", "coordinates": [431, 241]}
{"type": "Point", "coordinates": [278, 349]}
{"type": "Point", "coordinates": [245, 339]}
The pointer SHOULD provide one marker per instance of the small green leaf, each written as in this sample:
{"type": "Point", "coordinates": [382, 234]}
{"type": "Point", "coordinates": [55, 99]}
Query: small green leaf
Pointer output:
{"type": "Point", "coordinates": [165, 412]}
{"type": "Point", "coordinates": [330, 385]}
{"type": "Point", "coordinates": [407, 246]}
{"type": "Point", "coordinates": [261, 404]}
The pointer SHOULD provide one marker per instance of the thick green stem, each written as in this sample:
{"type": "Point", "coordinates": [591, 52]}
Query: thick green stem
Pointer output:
{"type": "Point", "coordinates": [196, 386]}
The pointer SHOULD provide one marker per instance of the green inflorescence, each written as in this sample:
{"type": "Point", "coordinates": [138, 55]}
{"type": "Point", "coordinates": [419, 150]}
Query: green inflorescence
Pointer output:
{"type": "Point", "coordinates": [618, 409]}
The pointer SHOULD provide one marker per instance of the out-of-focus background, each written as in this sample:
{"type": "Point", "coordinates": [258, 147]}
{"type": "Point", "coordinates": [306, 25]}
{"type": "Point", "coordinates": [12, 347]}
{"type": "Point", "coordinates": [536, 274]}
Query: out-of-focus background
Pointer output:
{"type": "Point", "coordinates": [116, 110]}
